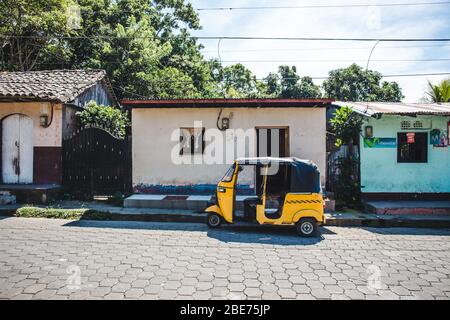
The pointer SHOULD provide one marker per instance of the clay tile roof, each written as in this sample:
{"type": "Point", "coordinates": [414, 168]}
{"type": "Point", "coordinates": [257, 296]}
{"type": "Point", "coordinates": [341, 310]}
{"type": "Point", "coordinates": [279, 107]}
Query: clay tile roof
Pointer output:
{"type": "Point", "coordinates": [49, 85]}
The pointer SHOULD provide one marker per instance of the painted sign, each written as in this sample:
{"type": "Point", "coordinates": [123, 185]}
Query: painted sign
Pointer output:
{"type": "Point", "coordinates": [410, 137]}
{"type": "Point", "coordinates": [380, 142]}
{"type": "Point", "coordinates": [438, 138]}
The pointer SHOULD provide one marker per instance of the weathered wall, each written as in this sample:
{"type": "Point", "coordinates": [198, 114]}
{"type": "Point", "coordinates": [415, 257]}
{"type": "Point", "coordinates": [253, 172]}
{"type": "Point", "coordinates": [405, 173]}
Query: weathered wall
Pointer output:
{"type": "Point", "coordinates": [152, 146]}
{"type": "Point", "coordinates": [97, 93]}
{"type": "Point", "coordinates": [69, 120]}
{"type": "Point", "coordinates": [380, 172]}
{"type": "Point", "coordinates": [47, 141]}
{"type": "Point", "coordinates": [43, 137]}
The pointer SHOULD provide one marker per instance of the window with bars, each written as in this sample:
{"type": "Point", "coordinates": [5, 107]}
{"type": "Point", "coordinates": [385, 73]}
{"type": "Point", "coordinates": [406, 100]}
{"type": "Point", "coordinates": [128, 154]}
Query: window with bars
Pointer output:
{"type": "Point", "coordinates": [412, 151]}
{"type": "Point", "coordinates": [192, 141]}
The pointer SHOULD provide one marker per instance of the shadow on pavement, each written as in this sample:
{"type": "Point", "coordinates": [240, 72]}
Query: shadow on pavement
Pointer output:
{"type": "Point", "coordinates": [409, 231]}
{"type": "Point", "coordinates": [275, 235]}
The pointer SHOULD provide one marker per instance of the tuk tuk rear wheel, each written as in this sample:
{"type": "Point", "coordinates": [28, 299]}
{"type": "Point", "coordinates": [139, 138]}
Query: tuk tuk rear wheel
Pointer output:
{"type": "Point", "coordinates": [307, 227]}
{"type": "Point", "coordinates": [213, 220]}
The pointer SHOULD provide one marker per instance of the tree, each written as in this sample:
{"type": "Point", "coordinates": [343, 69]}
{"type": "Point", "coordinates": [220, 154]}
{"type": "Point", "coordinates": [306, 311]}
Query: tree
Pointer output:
{"type": "Point", "coordinates": [145, 46]}
{"type": "Point", "coordinates": [30, 32]}
{"type": "Point", "coordinates": [356, 84]}
{"type": "Point", "coordinates": [440, 92]}
{"type": "Point", "coordinates": [307, 89]}
{"type": "Point", "coordinates": [390, 92]}
{"type": "Point", "coordinates": [288, 84]}
{"type": "Point", "coordinates": [346, 125]}
{"type": "Point", "coordinates": [147, 49]}
{"type": "Point", "coordinates": [236, 81]}
{"type": "Point", "coordinates": [111, 119]}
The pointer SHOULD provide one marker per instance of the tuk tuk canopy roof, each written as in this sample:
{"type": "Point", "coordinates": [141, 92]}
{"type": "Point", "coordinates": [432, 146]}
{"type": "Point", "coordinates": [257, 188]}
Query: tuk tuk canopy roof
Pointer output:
{"type": "Point", "coordinates": [305, 176]}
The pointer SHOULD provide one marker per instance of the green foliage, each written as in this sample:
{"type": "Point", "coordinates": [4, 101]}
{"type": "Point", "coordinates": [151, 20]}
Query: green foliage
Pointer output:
{"type": "Point", "coordinates": [236, 81]}
{"type": "Point", "coordinates": [288, 84]}
{"type": "Point", "coordinates": [346, 125]}
{"type": "Point", "coordinates": [356, 84]}
{"type": "Point", "coordinates": [29, 29]}
{"type": "Point", "coordinates": [61, 213]}
{"type": "Point", "coordinates": [347, 185]}
{"type": "Point", "coordinates": [147, 50]}
{"type": "Point", "coordinates": [111, 119]}
{"type": "Point", "coordinates": [56, 213]}
{"type": "Point", "coordinates": [440, 92]}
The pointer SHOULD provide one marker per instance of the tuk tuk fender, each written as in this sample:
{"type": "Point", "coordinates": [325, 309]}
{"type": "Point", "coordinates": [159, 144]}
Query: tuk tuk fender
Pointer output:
{"type": "Point", "coordinates": [319, 216]}
{"type": "Point", "coordinates": [216, 209]}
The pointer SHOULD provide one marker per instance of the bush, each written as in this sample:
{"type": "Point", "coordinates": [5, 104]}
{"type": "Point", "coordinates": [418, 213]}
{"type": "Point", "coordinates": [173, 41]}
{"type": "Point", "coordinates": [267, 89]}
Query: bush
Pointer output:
{"type": "Point", "coordinates": [111, 119]}
{"type": "Point", "coordinates": [59, 213]}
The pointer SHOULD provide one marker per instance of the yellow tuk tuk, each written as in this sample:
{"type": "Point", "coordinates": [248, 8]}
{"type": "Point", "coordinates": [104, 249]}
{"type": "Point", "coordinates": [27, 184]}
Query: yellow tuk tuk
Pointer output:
{"type": "Point", "coordinates": [296, 201]}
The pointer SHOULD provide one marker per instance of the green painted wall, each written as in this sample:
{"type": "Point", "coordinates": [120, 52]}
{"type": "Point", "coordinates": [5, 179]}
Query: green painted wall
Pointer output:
{"type": "Point", "coordinates": [380, 171]}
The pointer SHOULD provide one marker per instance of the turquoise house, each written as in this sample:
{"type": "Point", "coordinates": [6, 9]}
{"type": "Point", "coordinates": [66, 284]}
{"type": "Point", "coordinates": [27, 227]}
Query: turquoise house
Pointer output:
{"type": "Point", "coordinates": [404, 150]}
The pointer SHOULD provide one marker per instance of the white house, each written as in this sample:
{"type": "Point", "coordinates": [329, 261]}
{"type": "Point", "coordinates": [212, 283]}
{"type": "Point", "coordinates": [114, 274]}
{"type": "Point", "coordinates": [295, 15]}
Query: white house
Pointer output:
{"type": "Point", "coordinates": [185, 146]}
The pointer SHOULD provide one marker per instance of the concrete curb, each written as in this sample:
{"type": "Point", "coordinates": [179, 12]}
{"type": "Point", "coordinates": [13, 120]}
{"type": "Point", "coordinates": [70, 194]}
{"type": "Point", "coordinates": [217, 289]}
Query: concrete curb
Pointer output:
{"type": "Point", "coordinates": [389, 223]}
{"type": "Point", "coordinates": [192, 217]}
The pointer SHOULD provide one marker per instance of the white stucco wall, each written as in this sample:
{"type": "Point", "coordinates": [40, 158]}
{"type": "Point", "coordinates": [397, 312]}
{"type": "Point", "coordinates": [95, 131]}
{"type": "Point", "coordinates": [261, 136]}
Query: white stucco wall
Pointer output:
{"type": "Point", "coordinates": [152, 129]}
{"type": "Point", "coordinates": [43, 137]}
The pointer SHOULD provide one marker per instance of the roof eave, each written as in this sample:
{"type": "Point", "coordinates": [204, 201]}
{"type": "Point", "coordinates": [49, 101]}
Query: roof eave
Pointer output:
{"type": "Point", "coordinates": [230, 103]}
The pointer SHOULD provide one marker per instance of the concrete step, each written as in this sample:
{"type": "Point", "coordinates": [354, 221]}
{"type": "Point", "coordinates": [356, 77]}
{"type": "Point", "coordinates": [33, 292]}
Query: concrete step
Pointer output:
{"type": "Point", "coordinates": [7, 198]}
{"type": "Point", "coordinates": [33, 193]}
{"type": "Point", "coordinates": [178, 202]}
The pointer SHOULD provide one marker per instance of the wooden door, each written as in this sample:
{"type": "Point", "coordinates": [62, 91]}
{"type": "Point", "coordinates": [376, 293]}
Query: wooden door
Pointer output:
{"type": "Point", "coordinates": [17, 149]}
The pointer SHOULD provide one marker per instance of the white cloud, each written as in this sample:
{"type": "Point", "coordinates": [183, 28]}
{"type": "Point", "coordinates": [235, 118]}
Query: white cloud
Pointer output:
{"type": "Point", "coordinates": [372, 22]}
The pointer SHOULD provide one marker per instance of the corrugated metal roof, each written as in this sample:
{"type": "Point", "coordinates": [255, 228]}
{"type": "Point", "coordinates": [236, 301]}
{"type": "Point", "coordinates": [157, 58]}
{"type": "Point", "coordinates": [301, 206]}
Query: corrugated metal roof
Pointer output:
{"type": "Point", "coordinates": [398, 108]}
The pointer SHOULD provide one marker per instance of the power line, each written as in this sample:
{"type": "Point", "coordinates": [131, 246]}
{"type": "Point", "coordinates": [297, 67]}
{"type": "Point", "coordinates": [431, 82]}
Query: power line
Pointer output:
{"type": "Point", "coordinates": [336, 60]}
{"type": "Point", "coordinates": [324, 39]}
{"type": "Point", "coordinates": [402, 4]}
{"type": "Point", "coordinates": [328, 48]}
{"type": "Point", "coordinates": [240, 38]}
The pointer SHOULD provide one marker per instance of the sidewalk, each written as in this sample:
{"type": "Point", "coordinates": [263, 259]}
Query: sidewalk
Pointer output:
{"type": "Point", "coordinates": [342, 219]}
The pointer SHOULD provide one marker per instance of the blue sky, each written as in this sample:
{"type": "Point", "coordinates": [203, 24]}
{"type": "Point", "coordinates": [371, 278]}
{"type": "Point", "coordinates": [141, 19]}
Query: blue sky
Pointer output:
{"type": "Point", "coordinates": [369, 22]}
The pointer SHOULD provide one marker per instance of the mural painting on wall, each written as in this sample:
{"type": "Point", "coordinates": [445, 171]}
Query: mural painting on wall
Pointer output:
{"type": "Point", "coordinates": [438, 138]}
{"type": "Point", "coordinates": [380, 142]}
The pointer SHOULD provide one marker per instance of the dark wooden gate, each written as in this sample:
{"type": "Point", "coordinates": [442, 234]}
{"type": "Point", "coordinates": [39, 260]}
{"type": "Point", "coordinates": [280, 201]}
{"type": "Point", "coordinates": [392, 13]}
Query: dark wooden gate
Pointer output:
{"type": "Point", "coordinates": [96, 163]}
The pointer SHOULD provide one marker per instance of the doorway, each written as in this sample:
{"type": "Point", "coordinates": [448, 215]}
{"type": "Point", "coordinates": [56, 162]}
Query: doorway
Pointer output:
{"type": "Point", "coordinates": [17, 149]}
{"type": "Point", "coordinates": [272, 142]}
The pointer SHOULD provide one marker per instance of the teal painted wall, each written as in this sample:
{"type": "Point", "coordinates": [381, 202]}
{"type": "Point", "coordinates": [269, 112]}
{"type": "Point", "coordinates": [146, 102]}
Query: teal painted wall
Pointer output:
{"type": "Point", "coordinates": [380, 171]}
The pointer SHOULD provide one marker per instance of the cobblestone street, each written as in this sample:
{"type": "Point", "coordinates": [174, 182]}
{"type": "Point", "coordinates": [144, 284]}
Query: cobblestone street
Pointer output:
{"type": "Point", "coordinates": [62, 259]}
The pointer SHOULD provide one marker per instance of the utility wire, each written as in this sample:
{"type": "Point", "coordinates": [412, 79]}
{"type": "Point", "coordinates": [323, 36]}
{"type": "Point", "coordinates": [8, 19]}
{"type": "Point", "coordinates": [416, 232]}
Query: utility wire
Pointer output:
{"type": "Point", "coordinates": [335, 60]}
{"type": "Point", "coordinates": [258, 79]}
{"type": "Point", "coordinates": [329, 48]}
{"type": "Point", "coordinates": [401, 4]}
{"type": "Point", "coordinates": [241, 38]}
{"type": "Point", "coordinates": [324, 39]}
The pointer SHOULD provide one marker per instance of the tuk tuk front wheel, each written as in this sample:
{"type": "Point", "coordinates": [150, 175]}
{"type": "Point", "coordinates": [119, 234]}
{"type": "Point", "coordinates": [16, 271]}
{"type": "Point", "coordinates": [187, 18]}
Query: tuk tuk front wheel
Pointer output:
{"type": "Point", "coordinates": [307, 227]}
{"type": "Point", "coordinates": [213, 220]}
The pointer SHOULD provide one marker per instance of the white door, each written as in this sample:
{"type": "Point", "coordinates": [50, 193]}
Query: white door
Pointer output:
{"type": "Point", "coordinates": [17, 149]}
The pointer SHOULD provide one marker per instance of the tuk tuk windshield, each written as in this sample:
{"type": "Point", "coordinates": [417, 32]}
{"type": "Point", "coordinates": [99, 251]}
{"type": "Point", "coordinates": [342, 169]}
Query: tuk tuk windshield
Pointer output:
{"type": "Point", "coordinates": [229, 174]}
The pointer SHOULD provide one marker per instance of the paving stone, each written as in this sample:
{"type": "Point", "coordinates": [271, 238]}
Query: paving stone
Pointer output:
{"type": "Point", "coordinates": [137, 260]}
